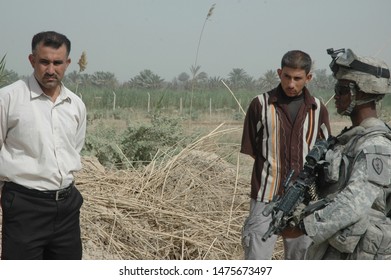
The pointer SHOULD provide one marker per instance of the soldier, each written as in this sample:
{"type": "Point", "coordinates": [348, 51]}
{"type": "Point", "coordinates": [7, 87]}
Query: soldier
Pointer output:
{"type": "Point", "coordinates": [356, 224]}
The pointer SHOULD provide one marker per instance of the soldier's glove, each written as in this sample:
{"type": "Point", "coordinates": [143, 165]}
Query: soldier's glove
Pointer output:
{"type": "Point", "coordinates": [297, 216]}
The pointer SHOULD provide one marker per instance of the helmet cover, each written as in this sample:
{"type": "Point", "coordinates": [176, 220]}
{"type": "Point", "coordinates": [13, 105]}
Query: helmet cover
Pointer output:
{"type": "Point", "coordinates": [370, 74]}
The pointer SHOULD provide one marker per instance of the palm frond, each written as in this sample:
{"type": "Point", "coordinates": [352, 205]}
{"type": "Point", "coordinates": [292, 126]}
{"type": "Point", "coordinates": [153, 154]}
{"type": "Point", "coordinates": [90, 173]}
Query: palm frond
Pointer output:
{"type": "Point", "coordinates": [3, 73]}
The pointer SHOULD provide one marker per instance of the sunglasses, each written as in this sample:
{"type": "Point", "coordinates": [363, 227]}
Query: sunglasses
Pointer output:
{"type": "Point", "coordinates": [341, 90]}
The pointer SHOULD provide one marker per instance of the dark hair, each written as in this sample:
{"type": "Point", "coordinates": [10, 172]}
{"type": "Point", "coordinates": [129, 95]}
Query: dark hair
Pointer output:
{"type": "Point", "coordinates": [51, 39]}
{"type": "Point", "coordinates": [298, 60]}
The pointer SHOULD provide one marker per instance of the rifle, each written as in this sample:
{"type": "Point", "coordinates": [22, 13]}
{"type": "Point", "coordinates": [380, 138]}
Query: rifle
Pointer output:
{"type": "Point", "coordinates": [302, 190]}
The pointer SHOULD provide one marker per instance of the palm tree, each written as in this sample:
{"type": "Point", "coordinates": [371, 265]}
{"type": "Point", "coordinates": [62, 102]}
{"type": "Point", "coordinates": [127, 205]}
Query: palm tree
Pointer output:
{"type": "Point", "coordinates": [269, 80]}
{"type": "Point", "coordinates": [323, 81]}
{"type": "Point", "coordinates": [214, 82]}
{"type": "Point", "coordinates": [237, 78]}
{"type": "Point", "coordinates": [183, 77]}
{"type": "Point", "coordinates": [105, 79]}
{"type": "Point", "coordinates": [147, 79]}
{"type": "Point", "coordinates": [197, 77]}
{"type": "Point", "coordinates": [3, 73]}
{"type": "Point", "coordinates": [194, 72]}
{"type": "Point", "coordinates": [249, 83]}
{"type": "Point", "coordinates": [10, 76]}
{"type": "Point", "coordinates": [74, 78]}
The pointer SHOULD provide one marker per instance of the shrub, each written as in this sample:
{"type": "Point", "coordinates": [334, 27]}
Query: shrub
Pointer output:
{"type": "Point", "coordinates": [141, 143]}
{"type": "Point", "coordinates": [103, 144]}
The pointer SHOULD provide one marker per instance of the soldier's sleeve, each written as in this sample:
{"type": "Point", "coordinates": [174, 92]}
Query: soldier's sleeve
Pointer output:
{"type": "Point", "coordinates": [378, 164]}
{"type": "Point", "coordinates": [348, 206]}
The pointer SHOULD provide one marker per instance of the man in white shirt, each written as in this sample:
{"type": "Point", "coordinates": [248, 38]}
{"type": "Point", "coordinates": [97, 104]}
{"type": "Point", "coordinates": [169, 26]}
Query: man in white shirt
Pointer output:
{"type": "Point", "coordinates": [42, 131]}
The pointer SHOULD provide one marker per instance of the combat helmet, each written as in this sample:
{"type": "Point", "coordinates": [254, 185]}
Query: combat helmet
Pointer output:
{"type": "Point", "coordinates": [370, 74]}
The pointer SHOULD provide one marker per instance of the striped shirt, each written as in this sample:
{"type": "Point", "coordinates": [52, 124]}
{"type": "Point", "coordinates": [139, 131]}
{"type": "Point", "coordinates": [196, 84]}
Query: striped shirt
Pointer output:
{"type": "Point", "coordinates": [278, 144]}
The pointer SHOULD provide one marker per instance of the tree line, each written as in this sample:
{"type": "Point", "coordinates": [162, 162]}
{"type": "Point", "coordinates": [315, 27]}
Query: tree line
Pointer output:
{"type": "Point", "coordinates": [195, 80]}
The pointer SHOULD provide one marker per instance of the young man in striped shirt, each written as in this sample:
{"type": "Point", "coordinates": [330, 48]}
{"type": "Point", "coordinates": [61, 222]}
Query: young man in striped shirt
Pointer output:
{"type": "Point", "coordinates": [280, 128]}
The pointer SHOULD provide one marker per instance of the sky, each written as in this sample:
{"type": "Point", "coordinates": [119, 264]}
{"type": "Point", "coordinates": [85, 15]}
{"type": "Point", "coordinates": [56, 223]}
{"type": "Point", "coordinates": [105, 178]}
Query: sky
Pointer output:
{"type": "Point", "coordinates": [125, 37]}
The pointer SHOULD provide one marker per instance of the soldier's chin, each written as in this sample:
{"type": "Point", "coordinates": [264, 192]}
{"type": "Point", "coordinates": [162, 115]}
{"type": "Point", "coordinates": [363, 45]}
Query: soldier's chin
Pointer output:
{"type": "Point", "coordinates": [339, 110]}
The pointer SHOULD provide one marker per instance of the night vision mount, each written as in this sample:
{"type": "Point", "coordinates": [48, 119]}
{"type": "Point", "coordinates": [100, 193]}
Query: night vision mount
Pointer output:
{"type": "Point", "coordinates": [334, 53]}
{"type": "Point", "coordinates": [350, 61]}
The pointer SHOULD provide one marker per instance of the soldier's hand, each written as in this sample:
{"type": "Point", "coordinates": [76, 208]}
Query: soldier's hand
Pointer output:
{"type": "Point", "coordinates": [298, 215]}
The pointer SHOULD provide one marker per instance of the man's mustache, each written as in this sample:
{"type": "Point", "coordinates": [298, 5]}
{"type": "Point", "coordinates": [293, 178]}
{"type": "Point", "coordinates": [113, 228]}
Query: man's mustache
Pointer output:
{"type": "Point", "coordinates": [50, 76]}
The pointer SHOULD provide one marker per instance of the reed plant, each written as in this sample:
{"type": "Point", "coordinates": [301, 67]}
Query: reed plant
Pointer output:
{"type": "Point", "coordinates": [82, 66]}
{"type": "Point", "coordinates": [194, 68]}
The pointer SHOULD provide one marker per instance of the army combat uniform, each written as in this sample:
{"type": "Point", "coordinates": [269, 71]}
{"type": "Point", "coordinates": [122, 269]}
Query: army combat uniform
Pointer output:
{"type": "Point", "coordinates": [355, 224]}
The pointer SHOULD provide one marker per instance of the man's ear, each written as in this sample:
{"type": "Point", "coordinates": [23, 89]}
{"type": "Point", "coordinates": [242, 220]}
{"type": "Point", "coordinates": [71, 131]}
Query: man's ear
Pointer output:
{"type": "Point", "coordinates": [68, 61]}
{"type": "Point", "coordinates": [279, 71]}
{"type": "Point", "coordinates": [32, 60]}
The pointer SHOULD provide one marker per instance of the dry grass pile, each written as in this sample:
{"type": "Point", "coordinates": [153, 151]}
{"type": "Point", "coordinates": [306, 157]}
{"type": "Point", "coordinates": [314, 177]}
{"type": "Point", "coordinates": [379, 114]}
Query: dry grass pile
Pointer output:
{"type": "Point", "coordinates": [191, 205]}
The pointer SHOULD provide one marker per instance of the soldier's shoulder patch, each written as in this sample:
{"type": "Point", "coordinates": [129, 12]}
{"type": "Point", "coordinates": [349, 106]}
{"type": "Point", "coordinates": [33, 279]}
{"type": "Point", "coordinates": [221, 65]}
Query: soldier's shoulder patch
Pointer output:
{"type": "Point", "coordinates": [378, 167]}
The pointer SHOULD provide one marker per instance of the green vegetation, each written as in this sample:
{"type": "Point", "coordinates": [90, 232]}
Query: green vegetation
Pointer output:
{"type": "Point", "coordinates": [151, 111]}
{"type": "Point", "coordinates": [3, 74]}
{"type": "Point", "coordinates": [136, 145]}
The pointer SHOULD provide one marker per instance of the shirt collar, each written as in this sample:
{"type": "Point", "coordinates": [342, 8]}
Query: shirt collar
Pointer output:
{"type": "Point", "coordinates": [36, 90]}
{"type": "Point", "coordinates": [277, 93]}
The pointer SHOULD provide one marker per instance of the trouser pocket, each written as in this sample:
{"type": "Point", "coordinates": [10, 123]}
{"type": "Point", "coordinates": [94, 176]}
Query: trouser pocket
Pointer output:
{"type": "Point", "coordinates": [376, 242]}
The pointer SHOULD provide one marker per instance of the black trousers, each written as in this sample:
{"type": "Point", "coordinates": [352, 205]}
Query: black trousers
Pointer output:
{"type": "Point", "coordinates": [36, 228]}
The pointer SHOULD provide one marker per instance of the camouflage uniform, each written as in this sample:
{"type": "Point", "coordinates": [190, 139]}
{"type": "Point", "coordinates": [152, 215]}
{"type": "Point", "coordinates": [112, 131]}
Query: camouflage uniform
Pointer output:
{"type": "Point", "coordinates": [357, 170]}
{"type": "Point", "coordinates": [360, 172]}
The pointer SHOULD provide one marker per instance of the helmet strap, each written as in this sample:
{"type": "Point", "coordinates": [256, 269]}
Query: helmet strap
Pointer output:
{"type": "Point", "coordinates": [353, 102]}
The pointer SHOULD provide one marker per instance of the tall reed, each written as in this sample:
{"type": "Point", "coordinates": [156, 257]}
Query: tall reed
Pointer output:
{"type": "Point", "coordinates": [82, 66]}
{"type": "Point", "coordinates": [195, 67]}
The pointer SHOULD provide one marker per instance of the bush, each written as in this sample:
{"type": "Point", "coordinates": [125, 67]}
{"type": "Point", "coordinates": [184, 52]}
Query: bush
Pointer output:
{"type": "Point", "coordinates": [138, 145]}
{"type": "Point", "coordinates": [103, 144]}
{"type": "Point", "coordinates": [141, 143]}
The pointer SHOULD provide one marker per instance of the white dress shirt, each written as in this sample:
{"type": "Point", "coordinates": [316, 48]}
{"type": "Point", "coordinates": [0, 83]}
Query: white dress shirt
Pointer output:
{"type": "Point", "coordinates": [40, 140]}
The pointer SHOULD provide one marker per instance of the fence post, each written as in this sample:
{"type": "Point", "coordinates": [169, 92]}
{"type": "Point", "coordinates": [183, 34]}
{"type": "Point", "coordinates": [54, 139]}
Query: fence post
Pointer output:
{"type": "Point", "coordinates": [210, 107]}
{"type": "Point", "coordinates": [114, 100]}
{"type": "Point", "coordinates": [149, 101]}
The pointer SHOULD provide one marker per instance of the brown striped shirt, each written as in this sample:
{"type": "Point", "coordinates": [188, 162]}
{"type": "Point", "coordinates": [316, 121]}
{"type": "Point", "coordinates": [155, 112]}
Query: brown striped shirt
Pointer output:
{"type": "Point", "coordinates": [277, 144]}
